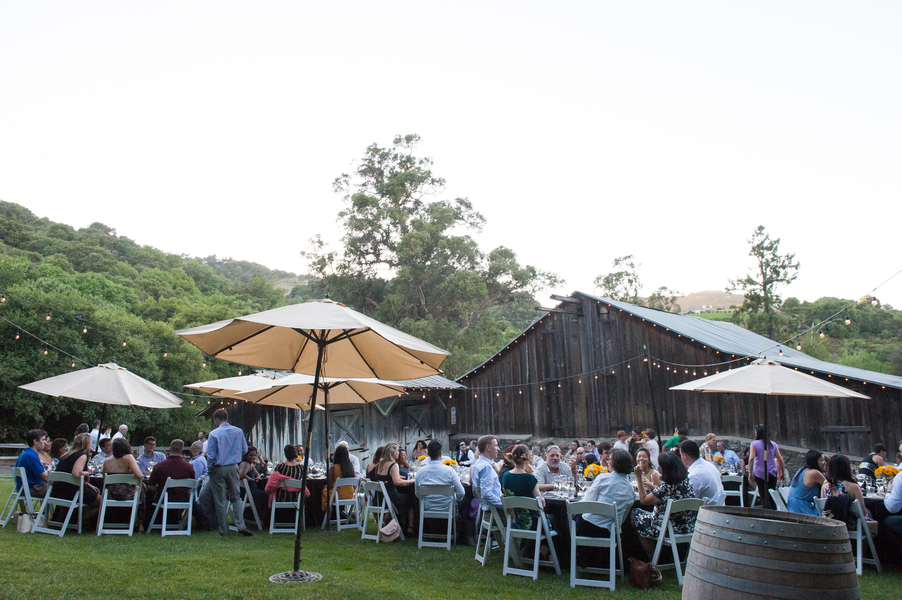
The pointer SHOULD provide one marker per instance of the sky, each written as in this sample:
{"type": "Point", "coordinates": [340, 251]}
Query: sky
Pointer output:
{"type": "Point", "coordinates": [582, 131]}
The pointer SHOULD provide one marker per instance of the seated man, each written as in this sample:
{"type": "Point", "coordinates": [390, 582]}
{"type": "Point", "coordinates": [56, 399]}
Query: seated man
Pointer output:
{"type": "Point", "coordinates": [34, 469]}
{"type": "Point", "coordinates": [707, 449]}
{"type": "Point", "coordinates": [547, 471]}
{"type": "Point", "coordinates": [704, 476]}
{"type": "Point", "coordinates": [149, 456]}
{"type": "Point", "coordinates": [174, 467]}
{"type": "Point", "coordinates": [435, 473]}
{"type": "Point", "coordinates": [611, 488]}
{"type": "Point", "coordinates": [730, 458]}
{"type": "Point", "coordinates": [106, 451]}
{"type": "Point", "coordinates": [537, 457]}
{"type": "Point", "coordinates": [581, 459]}
{"type": "Point", "coordinates": [483, 476]}
{"type": "Point", "coordinates": [892, 525]}
{"type": "Point", "coordinates": [355, 462]}
{"type": "Point", "coordinates": [463, 455]}
{"type": "Point", "coordinates": [198, 461]}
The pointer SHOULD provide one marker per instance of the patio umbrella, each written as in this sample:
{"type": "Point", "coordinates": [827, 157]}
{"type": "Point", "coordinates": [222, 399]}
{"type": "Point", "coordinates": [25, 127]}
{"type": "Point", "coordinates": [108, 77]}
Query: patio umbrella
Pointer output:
{"type": "Point", "coordinates": [107, 384]}
{"type": "Point", "coordinates": [768, 378]}
{"type": "Point", "coordinates": [319, 337]}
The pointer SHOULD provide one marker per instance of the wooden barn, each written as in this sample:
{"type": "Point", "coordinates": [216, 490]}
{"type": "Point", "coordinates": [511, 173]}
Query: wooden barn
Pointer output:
{"type": "Point", "coordinates": [592, 366]}
{"type": "Point", "coordinates": [420, 413]}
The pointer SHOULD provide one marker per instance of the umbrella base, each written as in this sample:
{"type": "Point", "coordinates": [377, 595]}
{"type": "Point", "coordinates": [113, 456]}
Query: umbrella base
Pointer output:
{"type": "Point", "coordinates": [296, 577]}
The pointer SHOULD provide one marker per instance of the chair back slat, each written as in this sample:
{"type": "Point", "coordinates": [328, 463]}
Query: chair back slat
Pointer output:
{"type": "Point", "coordinates": [435, 490]}
{"type": "Point", "coordinates": [593, 508]}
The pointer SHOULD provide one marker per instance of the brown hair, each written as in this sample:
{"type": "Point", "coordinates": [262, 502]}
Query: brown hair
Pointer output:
{"type": "Point", "coordinates": [517, 456]}
{"type": "Point", "coordinates": [290, 451]}
{"type": "Point", "coordinates": [81, 443]}
{"type": "Point", "coordinates": [483, 442]}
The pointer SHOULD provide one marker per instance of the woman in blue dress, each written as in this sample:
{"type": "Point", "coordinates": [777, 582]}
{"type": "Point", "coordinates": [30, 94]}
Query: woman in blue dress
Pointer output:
{"type": "Point", "coordinates": [806, 485]}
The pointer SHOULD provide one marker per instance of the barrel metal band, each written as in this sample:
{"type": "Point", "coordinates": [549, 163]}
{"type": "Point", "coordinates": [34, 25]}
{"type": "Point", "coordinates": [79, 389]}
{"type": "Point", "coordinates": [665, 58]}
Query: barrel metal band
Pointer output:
{"type": "Point", "coordinates": [780, 544]}
{"type": "Point", "coordinates": [775, 565]}
{"type": "Point", "coordinates": [767, 590]}
{"type": "Point", "coordinates": [772, 527]}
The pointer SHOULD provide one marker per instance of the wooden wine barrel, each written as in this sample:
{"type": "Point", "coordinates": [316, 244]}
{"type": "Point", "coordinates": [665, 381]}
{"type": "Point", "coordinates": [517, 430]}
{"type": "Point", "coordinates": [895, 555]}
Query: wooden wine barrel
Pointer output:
{"type": "Point", "coordinates": [744, 553]}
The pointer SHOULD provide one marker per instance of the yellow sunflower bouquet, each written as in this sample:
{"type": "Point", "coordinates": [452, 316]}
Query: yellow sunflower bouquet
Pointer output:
{"type": "Point", "coordinates": [450, 462]}
{"type": "Point", "coordinates": [594, 470]}
{"type": "Point", "coordinates": [887, 471]}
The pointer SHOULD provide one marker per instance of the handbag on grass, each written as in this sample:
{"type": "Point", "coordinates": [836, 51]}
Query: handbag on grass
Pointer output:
{"type": "Point", "coordinates": [644, 575]}
{"type": "Point", "coordinates": [26, 522]}
{"type": "Point", "coordinates": [390, 532]}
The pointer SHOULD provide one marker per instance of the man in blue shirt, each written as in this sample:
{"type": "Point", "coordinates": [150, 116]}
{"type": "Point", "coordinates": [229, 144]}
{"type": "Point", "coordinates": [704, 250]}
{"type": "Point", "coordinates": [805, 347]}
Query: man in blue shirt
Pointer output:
{"type": "Point", "coordinates": [225, 447]}
{"type": "Point", "coordinates": [730, 458]}
{"type": "Point", "coordinates": [149, 456]}
{"type": "Point", "coordinates": [198, 461]}
{"type": "Point", "coordinates": [34, 469]}
{"type": "Point", "coordinates": [482, 474]}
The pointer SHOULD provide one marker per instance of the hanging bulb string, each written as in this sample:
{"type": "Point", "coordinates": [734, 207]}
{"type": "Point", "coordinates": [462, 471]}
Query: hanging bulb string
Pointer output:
{"type": "Point", "coordinates": [46, 343]}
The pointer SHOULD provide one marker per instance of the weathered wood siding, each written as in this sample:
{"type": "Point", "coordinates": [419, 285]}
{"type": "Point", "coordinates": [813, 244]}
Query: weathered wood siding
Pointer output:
{"type": "Point", "coordinates": [606, 346]}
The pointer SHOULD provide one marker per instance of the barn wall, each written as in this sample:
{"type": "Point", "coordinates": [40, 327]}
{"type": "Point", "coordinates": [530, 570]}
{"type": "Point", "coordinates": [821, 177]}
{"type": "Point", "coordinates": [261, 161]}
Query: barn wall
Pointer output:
{"type": "Point", "coordinates": [581, 373]}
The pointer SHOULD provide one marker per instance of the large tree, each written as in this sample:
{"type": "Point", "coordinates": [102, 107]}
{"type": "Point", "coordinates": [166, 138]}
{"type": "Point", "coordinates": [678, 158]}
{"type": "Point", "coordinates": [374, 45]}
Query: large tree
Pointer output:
{"type": "Point", "coordinates": [759, 285]}
{"type": "Point", "coordinates": [623, 284]}
{"type": "Point", "coordinates": [407, 256]}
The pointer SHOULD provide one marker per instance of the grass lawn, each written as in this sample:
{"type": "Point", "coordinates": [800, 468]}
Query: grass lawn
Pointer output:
{"type": "Point", "coordinates": [205, 565]}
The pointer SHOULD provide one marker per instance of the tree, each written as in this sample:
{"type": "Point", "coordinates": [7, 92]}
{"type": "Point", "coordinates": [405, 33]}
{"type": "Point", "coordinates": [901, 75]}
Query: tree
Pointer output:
{"type": "Point", "coordinates": [624, 285]}
{"type": "Point", "coordinates": [759, 286]}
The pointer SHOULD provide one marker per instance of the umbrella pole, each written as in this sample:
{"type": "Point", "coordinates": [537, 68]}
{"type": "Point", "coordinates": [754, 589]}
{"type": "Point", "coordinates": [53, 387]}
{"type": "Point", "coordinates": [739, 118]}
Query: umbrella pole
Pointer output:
{"type": "Point", "coordinates": [765, 495]}
{"type": "Point", "coordinates": [328, 492]}
{"type": "Point", "coordinates": [321, 347]}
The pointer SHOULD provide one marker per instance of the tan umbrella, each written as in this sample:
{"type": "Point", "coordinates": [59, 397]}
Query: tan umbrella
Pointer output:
{"type": "Point", "coordinates": [107, 384]}
{"type": "Point", "coordinates": [296, 389]}
{"type": "Point", "coordinates": [768, 378]}
{"type": "Point", "coordinates": [319, 338]}
{"type": "Point", "coordinates": [229, 386]}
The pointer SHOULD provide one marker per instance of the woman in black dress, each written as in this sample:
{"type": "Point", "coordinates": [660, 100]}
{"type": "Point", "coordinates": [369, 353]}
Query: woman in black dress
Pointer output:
{"type": "Point", "coordinates": [388, 473]}
{"type": "Point", "coordinates": [74, 462]}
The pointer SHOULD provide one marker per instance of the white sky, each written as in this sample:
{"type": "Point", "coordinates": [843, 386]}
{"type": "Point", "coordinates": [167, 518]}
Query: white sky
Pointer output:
{"type": "Point", "coordinates": [582, 131]}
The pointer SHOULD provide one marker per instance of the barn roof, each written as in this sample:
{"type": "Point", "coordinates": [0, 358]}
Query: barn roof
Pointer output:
{"type": "Point", "coordinates": [732, 339]}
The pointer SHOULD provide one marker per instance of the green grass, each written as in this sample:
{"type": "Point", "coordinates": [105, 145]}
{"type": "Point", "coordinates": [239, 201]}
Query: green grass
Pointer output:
{"type": "Point", "coordinates": [205, 565]}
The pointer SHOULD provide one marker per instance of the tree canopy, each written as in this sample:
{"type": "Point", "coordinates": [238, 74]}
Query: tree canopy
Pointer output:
{"type": "Point", "coordinates": [624, 285]}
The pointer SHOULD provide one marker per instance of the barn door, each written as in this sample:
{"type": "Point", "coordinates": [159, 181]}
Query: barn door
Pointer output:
{"type": "Point", "coordinates": [347, 426]}
{"type": "Point", "coordinates": [417, 424]}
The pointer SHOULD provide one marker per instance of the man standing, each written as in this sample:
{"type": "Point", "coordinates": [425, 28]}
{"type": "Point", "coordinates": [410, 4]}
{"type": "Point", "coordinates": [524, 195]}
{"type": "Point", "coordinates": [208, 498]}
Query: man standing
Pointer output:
{"type": "Point", "coordinates": [546, 471]}
{"type": "Point", "coordinates": [483, 476]}
{"type": "Point", "coordinates": [106, 451]}
{"type": "Point", "coordinates": [150, 455]}
{"type": "Point", "coordinates": [96, 436]}
{"type": "Point", "coordinates": [355, 462]}
{"type": "Point", "coordinates": [436, 473]}
{"type": "Point", "coordinates": [122, 433]}
{"type": "Point", "coordinates": [704, 476]}
{"type": "Point", "coordinates": [34, 469]}
{"type": "Point", "coordinates": [174, 467]}
{"type": "Point", "coordinates": [708, 449]}
{"type": "Point", "coordinates": [226, 445]}
{"type": "Point", "coordinates": [730, 458]}
{"type": "Point", "coordinates": [198, 461]}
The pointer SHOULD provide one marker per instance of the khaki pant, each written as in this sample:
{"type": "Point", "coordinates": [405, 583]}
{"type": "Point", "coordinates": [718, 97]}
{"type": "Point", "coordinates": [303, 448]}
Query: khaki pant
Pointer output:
{"type": "Point", "coordinates": [226, 497]}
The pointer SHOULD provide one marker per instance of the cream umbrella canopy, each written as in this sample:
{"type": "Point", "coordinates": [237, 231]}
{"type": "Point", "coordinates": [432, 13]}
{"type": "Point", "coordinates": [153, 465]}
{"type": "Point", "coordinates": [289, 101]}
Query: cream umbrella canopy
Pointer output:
{"type": "Point", "coordinates": [322, 338]}
{"type": "Point", "coordinates": [107, 384]}
{"type": "Point", "coordinates": [768, 378]}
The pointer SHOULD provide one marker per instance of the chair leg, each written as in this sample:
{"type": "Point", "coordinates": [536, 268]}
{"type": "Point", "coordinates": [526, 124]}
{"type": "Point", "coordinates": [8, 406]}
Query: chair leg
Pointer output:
{"type": "Point", "coordinates": [557, 565]}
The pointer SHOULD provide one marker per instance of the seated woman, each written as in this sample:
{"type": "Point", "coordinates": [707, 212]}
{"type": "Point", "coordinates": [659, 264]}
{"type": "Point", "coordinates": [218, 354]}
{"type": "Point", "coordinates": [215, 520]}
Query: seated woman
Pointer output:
{"type": "Point", "coordinates": [807, 483]}
{"type": "Point", "coordinates": [517, 482]}
{"type": "Point", "coordinates": [388, 473]}
{"type": "Point", "coordinates": [841, 482]}
{"type": "Point", "coordinates": [247, 472]}
{"type": "Point", "coordinates": [675, 486]}
{"type": "Point", "coordinates": [43, 450]}
{"type": "Point", "coordinates": [419, 450]}
{"type": "Point", "coordinates": [123, 463]}
{"type": "Point", "coordinates": [403, 465]}
{"type": "Point", "coordinates": [74, 462]}
{"type": "Point", "coordinates": [292, 468]}
{"type": "Point", "coordinates": [58, 447]}
{"type": "Point", "coordinates": [341, 468]}
{"type": "Point", "coordinates": [649, 475]}
{"type": "Point", "coordinates": [611, 488]}
{"type": "Point", "coordinates": [374, 464]}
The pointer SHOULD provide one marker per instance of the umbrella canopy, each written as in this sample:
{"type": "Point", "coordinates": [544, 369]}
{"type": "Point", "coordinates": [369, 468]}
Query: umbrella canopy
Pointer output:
{"type": "Point", "coordinates": [106, 384]}
{"type": "Point", "coordinates": [230, 386]}
{"type": "Point", "coordinates": [296, 389]}
{"type": "Point", "coordinates": [288, 338]}
{"type": "Point", "coordinates": [765, 376]}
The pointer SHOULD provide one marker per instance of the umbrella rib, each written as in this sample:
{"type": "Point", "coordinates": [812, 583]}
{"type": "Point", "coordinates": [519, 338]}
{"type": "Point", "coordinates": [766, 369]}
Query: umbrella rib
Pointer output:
{"type": "Point", "coordinates": [242, 340]}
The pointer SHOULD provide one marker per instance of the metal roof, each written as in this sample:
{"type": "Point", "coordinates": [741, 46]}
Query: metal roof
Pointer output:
{"type": "Point", "coordinates": [730, 339]}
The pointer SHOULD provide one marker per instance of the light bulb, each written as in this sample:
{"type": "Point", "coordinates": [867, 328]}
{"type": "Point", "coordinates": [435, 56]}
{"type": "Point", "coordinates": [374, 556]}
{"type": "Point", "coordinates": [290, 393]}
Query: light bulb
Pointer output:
{"type": "Point", "coordinates": [165, 354]}
{"type": "Point", "coordinates": [848, 320]}
{"type": "Point", "coordinates": [781, 350]}
{"type": "Point", "coordinates": [84, 330]}
{"type": "Point", "coordinates": [47, 318]}
{"type": "Point", "coordinates": [820, 333]}
{"type": "Point", "coordinates": [799, 346]}
{"type": "Point", "coordinates": [123, 343]}
{"type": "Point", "coordinates": [3, 298]}
{"type": "Point", "coordinates": [17, 335]}
{"type": "Point", "coordinates": [239, 372]}
{"type": "Point", "coordinates": [73, 364]}
{"type": "Point", "coordinates": [45, 351]}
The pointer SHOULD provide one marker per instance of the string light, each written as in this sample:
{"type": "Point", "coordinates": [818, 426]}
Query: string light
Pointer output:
{"type": "Point", "coordinates": [204, 364]}
{"type": "Point", "coordinates": [165, 354]}
{"type": "Point", "coordinates": [799, 346]}
{"type": "Point", "coordinates": [3, 298]}
{"type": "Point", "coordinates": [84, 329]}
{"type": "Point", "coordinates": [123, 343]}
{"type": "Point", "coordinates": [848, 320]}
{"type": "Point", "coordinates": [17, 335]}
{"type": "Point", "coordinates": [781, 350]}
{"type": "Point", "coordinates": [820, 333]}
{"type": "Point", "coordinates": [45, 351]}
{"type": "Point", "coordinates": [47, 318]}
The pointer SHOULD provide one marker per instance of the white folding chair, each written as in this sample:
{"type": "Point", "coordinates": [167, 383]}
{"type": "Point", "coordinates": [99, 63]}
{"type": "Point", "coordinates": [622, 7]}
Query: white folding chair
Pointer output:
{"type": "Point", "coordinates": [165, 504]}
{"type": "Point", "coordinates": [249, 501]}
{"type": "Point", "coordinates": [107, 502]}
{"type": "Point", "coordinates": [754, 498]}
{"type": "Point", "coordinates": [668, 536]}
{"type": "Point", "coordinates": [20, 498]}
{"type": "Point", "coordinates": [733, 493]}
{"type": "Point", "coordinates": [491, 526]}
{"type": "Point", "coordinates": [779, 502]}
{"type": "Point", "coordinates": [537, 535]}
{"type": "Point", "coordinates": [378, 505]}
{"type": "Point", "coordinates": [449, 514]}
{"type": "Point", "coordinates": [55, 478]}
{"type": "Point", "coordinates": [298, 521]}
{"type": "Point", "coordinates": [612, 542]}
{"type": "Point", "coordinates": [859, 534]}
{"type": "Point", "coordinates": [337, 503]}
